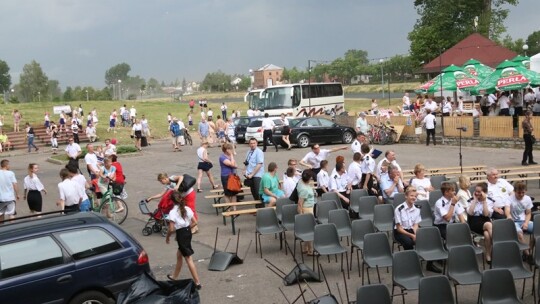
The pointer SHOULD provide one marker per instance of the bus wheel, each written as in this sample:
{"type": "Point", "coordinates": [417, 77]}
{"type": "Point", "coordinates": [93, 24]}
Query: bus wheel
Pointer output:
{"type": "Point", "coordinates": [303, 141]}
{"type": "Point", "coordinates": [347, 137]}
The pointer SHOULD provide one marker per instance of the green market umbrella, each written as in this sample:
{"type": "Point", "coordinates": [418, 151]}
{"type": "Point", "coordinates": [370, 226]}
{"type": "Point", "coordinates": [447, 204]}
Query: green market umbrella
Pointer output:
{"type": "Point", "coordinates": [509, 75]}
{"type": "Point", "coordinates": [477, 69]}
{"type": "Point", "coordinates": [453, 78]}
{"type": "Point", "coordinates": [523, 60]}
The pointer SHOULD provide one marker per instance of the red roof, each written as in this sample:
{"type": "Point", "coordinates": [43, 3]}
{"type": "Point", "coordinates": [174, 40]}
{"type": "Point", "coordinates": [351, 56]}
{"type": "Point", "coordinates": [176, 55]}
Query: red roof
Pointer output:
{"type": "Point", "coordinates": [474, 46]}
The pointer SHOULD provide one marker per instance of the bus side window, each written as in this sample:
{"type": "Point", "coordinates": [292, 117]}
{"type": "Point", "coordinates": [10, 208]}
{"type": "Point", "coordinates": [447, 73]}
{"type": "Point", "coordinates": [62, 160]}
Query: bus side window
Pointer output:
{"type": "Point", "coordinates": [296, 96]}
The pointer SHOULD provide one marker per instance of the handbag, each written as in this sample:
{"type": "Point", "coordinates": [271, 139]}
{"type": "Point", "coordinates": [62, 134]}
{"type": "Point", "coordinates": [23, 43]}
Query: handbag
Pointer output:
{"type": "Point", "coordinates": [187, 183]}
{"type": "Point", "coordinates": [117, 188]}
{"type": "Point", "coordinates": [294, 195]}
{"type": "Point", "coordinates": [233, 183]}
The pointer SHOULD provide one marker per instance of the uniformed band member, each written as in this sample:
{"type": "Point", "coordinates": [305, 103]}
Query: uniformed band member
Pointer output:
{"type": "Point", "coordinates": [447, 209]}
{"type": "Point", "coordinates": [339, 183]}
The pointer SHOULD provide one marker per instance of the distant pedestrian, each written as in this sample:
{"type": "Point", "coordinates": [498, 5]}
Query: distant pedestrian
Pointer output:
{"type": "Point", "coordinates": [70, 193]}
{"type": "Point", "coordinates": [224, 111]}
{"type": "Point", "coordinates": [33, 188]}
{"type": "Point", "coordinates": [268, 126]}
{"type": "Point", "coordinates": [204, 130]}
{"type": "Point", "coordinates": [528, 139]}
{"type": "Point", "coordinates": [17, 116]}
{"type": "Point", "coordinates": [9, 191]}
{"type": "Point", "coordinates": [210, 114]}
{"type": "Point", "coordinates": [30, 137]}
{"type": "Point", "coordinates": [54, 138]}
{"type": "Point", "coordinates": [205, 164]}
{"type": "Point", "coordinates": [191, 105]}
{"type": "Point", "coordinates": [430, 121]}
{"type": "Point", "coordinates": [137, 133]}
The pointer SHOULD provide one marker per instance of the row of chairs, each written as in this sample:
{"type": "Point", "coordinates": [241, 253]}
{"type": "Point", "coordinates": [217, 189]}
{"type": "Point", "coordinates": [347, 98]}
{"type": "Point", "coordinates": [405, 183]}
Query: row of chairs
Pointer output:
{"type": "Point", "coordinates": [497, 286]}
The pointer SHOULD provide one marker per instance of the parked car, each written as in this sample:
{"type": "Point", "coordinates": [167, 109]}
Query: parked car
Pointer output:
{"type": "Point", "coordinates": [308, 130]}
{"type": "Point", "coordinates": [241, 124]}
{"type": "Point", "coordinates": [73, 258]}
{"type": "Point", "coordinates": [255, 130]}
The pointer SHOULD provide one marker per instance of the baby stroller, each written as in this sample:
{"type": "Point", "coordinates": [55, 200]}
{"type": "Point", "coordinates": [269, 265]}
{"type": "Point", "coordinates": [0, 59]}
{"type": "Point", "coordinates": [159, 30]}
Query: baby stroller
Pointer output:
{"type": "Point", "coordinates": [157, 221]}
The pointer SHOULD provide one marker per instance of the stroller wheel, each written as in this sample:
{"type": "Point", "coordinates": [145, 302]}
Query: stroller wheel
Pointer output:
{"type": "Point", "coordinates": [164, 231]}
{"type": "Point", "coordinates": [147, 231]}
{"type": "Point", "coordinates": [156, 227]}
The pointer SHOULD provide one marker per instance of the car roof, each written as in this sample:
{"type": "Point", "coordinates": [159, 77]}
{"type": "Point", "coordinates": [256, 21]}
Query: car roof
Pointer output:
{"type": "Point", "coordinates": [29, 226]}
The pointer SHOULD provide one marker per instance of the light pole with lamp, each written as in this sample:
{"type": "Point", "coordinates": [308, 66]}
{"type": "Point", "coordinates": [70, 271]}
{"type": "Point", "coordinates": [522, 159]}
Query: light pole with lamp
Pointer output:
{"type": "Point", "coordinates": [382, 77]}
{"type": "Point", "coordinates": [86, 95]}
{"type": "Point", "coordinates": [525, 48]}
{"type": "Point", "coordinates": [119, 89]}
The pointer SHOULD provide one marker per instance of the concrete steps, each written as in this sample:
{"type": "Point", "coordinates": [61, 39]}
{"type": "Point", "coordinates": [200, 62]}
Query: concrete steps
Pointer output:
{"type": "Point", "coordinates": [41, 138]}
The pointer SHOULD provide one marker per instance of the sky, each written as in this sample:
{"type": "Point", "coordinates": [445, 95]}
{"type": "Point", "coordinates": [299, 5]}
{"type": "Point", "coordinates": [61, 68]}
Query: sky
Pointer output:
{"type": "Point", "coordinates": [76, 41]}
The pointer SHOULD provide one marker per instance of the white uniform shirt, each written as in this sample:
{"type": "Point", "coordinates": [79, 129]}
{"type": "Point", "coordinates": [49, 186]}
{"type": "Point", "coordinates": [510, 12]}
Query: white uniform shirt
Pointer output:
{"type": "Point", "coordinates": [323, 180]}
{"type": "Point", "coordinates": [91, 160]}
{"type": "Point", "coordinates": [338, 182]}
{"type": "Point", "coordinates": [356, 146]}
{"type": "Point", "coordinates": [314, 160]}
{"type": "Point", "coordinates": [355, 173]}
{"type": "Point", "coordinates": [250, 113]}
{"type": "Point", "coordinates": [407, 216]}
{"type": "Point", "coordinates": [178, 220]}
{"type": "Point", "coordinates": [132, 112]}
{"type": "Point", "coordinates": [504, 102]}
{"type": "Point", "coordinates": [441, 209]}
{"type": "Point", "coordinates": [368, 165]}
{"type": "Point", "coordinates": [500, 192]}
{"type": "Point", "coordinates": [72, 149]}
{"type": "Point", "coordinates": [288, 186]}
{"type": "Point", "coordinates": [33, 183]}
{"type": "Point", "coordinates": [429, 121]}
{"type": "Point", "coordinates": [479, 207]}
{"type": "Point", "coordinates": [492, 99]}
{"type": "Point", "coordinates": [70, 192]}
{"type": "Point", "coordinates": [268, 124]}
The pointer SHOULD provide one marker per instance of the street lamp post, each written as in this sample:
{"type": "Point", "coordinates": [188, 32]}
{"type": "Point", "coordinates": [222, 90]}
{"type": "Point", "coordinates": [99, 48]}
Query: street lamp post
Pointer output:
{"type": "Point", "coordinates": [86, 95]}
{"type": "Point", "coordinates": [525, 48]}
{"type": "Point", "coordinates": [119, 89]}
{"type": "Point", "coordinates": [382, 77]}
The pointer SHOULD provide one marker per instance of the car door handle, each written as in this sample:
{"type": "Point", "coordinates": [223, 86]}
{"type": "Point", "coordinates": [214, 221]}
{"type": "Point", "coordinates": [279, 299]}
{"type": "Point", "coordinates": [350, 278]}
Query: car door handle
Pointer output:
{"type": "Point", "coordinates": [64, 279]}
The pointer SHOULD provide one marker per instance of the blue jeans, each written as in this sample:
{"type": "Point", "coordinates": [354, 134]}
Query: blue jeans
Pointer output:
{"type": "Point", "coordinates": [31, 144]}
{"type": "Point", "coordinates": [529, 227]}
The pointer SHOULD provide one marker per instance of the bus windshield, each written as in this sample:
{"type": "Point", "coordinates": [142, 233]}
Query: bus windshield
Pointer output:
{"type": "Point", "coordinates": [253, 99]}
{"type": "Point", "coordinates": [278, 98]}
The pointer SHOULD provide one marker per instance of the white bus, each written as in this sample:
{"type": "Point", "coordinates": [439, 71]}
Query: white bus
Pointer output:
{"type": "Point", "coordinates": [253, 98]}
{"type": "Point", "coordinates": [301, 99]}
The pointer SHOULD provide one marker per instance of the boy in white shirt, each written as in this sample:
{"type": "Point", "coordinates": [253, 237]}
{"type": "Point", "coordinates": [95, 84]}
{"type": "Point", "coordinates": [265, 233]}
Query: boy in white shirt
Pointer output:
{"type": "Point", "coordinates": [289, 182]}
{"type": "Point", "coordinates": [323, 180]}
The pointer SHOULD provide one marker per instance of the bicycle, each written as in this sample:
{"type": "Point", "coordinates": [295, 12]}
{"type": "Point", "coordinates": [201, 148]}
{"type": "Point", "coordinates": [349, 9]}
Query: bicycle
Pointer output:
{"type": "Point", "coordinates": [187, 137]}
{"type": "Point", "coordinates": [111, 206]}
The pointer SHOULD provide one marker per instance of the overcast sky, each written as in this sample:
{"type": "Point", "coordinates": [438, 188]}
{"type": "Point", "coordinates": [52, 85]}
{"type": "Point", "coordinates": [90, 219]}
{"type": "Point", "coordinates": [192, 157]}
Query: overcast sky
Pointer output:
{"type": "Point", "coordinates": [76, 41]}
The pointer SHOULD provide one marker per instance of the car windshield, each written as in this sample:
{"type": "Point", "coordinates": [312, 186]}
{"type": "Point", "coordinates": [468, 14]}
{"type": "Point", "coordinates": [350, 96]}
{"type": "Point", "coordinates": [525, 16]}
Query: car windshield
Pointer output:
{"type": "Point", "coordinates": [293, 122]}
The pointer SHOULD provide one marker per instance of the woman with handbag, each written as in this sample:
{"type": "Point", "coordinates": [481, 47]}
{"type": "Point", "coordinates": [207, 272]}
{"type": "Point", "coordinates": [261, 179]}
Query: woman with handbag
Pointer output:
{"type": "Point", "coordinates": [529, 139]}
{"type": "Point", "coordinates": [228, 168]}
{"type": "Point", "coordinates": [205, 164]}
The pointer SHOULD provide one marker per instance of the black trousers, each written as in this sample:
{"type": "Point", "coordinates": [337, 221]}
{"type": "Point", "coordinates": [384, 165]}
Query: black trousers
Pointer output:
{"type": "Point", "coordinates": [405, 240]}
{"type": "Point", "coordinates": [267, 136]}
{"type": "Point", "coordinates": [432, 133]}
{"type": "Point", "coordinates": [255, 188]}
{"type": "Point", "coordinates": [528, 153]}
{"type": "Point", "coordinates": [485, 110]}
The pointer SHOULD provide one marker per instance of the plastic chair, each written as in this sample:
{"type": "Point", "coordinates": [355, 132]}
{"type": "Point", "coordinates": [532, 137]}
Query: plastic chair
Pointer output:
{"type": "Point", "coordinates": [425, 213]}
{"type": "Point", "coordinates": [341, 219]}
{"type": "Point", "coordinates": [435, 289]}
{"type": "Point", "coordinates": [459, 234]}
{"type": "Point", "coordinates": [399, 198]}
{"type": "Point", "coordinates": [377, 253]}
{"type": "Point", "coordinates": [437, 180]}
{"type": "Point", "coordinates": [326, 242]}
{"type": "Point", "coordinates": [508, 256]}
{"type": "Point", "coordinates": [505, 231]}
{"type": "Point", "coordinates": [323, 208]}
{"type": "Point", "coordinates": [267, 223]}
{"type": "Point", "coordinates": [434, 196]}
{"type": "Point", "coordinates": [406, 271]}
{"type": "Point", "coordinates": [498, 287]}
{"type": "Point", "coordinates": [360, 228]}
{"type": "Point", "coordinates": [365, 207]}
{"type": "Point", "coordinates": [288, 213]}
{"type": "Point", "coordinates": [331, 196]}
{"type": "Point", "coordinates": [536, 266]}
{"type": "Point", "coordinates": [429, 245]}
{"type": "Point", "coordinates": [376, 293]}
{"type": "Point", "coordinates": [383, 218]}
{"type": "Point", "coordinates": [279, 206]}
{"type": "Point", "coordinates": [356, 194]}
{"type": "Point", "coordinates": [463, 267]}
{"type": "Point", "coordinates": [304, 230]}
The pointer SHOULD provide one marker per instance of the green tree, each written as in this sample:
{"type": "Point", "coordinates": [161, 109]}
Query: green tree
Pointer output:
{"type": "Point", "coordinates": [55, 92]}
{"type": "Point", "coordinates": [444, 23]}
{"type": "Point", "coordinates": [68, 94]}
{"type": "Point", "coordinates": [5, 78]}
{"type": "Point", "coordinates": [514, 45]}
{"type": "Point", "coordinates": [217, 81]}
{"type": "Point", "coordinates": [533, 41]}
{"type": "Point", "coordinates": [33, 82]}
{"type": "Point", "coordinates": [117, 72]}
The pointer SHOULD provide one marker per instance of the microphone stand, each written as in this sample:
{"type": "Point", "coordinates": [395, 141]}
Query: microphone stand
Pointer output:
{"type": "Point", "coordinates": [460, 155]}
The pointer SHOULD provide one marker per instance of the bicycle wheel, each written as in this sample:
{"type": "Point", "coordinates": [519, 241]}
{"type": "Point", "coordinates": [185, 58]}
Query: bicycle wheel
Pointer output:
{"type": "Point", "coordinates": [115, 210]}
{"type": "Point", "coordinates": [383, 137]}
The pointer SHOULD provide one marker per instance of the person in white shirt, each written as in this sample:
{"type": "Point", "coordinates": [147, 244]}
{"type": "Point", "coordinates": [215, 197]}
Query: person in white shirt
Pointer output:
{"type": "Point", "coordinates": [339, 183]}
{"type": "Point", "coordinates": [268, 127]}
{"type": "Point", "coordinates": [447, 209]}
{"type": "Point", "coordinates": [431, 105]}
{"type": "Point", "coordinates": [110, 149]}
{"type": "Point", "coordinates": [499, 190]}
{"type": "Point", "coordinates": [70, 193]}
{"type": "Point", "coordinates": [257, 112]}
{"type": "Point", "coordinates": [91, 133]}
{"type": "Point", "coordinates": [91, 162]}
{"type": "Point", "coordinates": [33, 188]}
{"type": "Point", "coordinates": [406, 102]}
{"type": "Point", "coordinates": [391, 184]}
{"type": "Point", "coordinates": [83, 185]}
{"type": "Point", "coordinates": [356, 146]}
{"type": "Point", "coordinates": [529, 98]}
{"type": "Point", "coordinates": [355, 171]}
{"type": "Point", "coordinates": [389, 157]}
{"type": "Point", "coordinates": [289, 181]}
{"type": "Point", "coordinates": [132, 114]}
{"type": "Point", "coordinates": [421, 182]}
{"type": "Point", "coordinates": [430, 121]}
{"type": "Point", "coordinates": [210, 114]}
{"type": "Point", "coordinates": [73, 152]}
{"type": "Point", "coordinates": [323, 180]}
{"type": "Point", "coordinates": [407, 218]}
{"type": "Point", "coordinates": [293, 163]}
{"type": "Point", "coordinates": [447, 106]}
{"type": "Point", "coordinates": [492, 99]}
{"type": "Point", "coordinates": [313, 159]}
{"type": "Point", "coordinates": [369, 181]}
{"type": "Point", "coordinates": [504, 104]}
{"type": "Point", "coordinates": [518, 208]}
{"type": "Point", "coordinates": [250, 112]}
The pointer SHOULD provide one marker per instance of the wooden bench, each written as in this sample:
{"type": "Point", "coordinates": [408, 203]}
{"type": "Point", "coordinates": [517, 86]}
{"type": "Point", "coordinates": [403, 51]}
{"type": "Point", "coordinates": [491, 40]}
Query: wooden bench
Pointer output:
{"type": "Point", "coordinates": [227, 206]}
{"type": "Point", "coordinates": [440, 171]}
{"type": "Point", "coordinates": [235, 214]}
{"type": "Point", "coordinates": [217, 197]}
{"type": "Point", "coordinates": [220, 190]}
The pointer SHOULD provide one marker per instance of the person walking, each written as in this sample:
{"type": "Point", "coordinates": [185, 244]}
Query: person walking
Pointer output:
{"type": "Point", "coordinates": [33, 188]}
{"type": "Point", "coordinates": [286, 131]}
{"type": "Point", "coordinates": [528, 138]}
{"type": "Point", "coordinates": [228, 166]}
{"type": "Point", "coordinates": [254, 169]}
{"type": "Point", "coordinates": [17, 116]}
{"type": "Point", "coordinates": [54, 138]}
{"type": "Point", "coordinates": [430, 121]}
{"type": "Point", "coordinates": [205, 164]}
{"type": "Point", "coordinates": [224, 111]}
{"type": "Point", "coordinates": [9, 191]}
{"type": "Point", "coordinates": [268, 127]}
{"type": "Point", "coordinates": [137, 133]}
{"type": "Point", "coordinates": [204, 130]}
{"type": "Point", "coordinates": [30, 138]}
{"type": "Point", "coordinates": [181, 222]}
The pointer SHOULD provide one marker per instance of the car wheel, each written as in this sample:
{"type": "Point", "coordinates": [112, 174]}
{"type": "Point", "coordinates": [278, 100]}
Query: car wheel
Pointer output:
{"type": "Point", "coordinates": [303, 141]}
{"type": "Point", "coordinates": [347, 137]}
{"type": "Point", "coordinates": [91, 297]}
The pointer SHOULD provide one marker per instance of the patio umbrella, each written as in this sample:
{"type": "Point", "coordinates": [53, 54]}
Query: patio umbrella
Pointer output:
{"type": "Point", "coordinates": [523, 60]}
{"type": "Point", "coordinates": [453, 78]}
{"type": "Point", "coordinates": [477, 69]}
{"type": "Point", "coordinates": [508, 76]}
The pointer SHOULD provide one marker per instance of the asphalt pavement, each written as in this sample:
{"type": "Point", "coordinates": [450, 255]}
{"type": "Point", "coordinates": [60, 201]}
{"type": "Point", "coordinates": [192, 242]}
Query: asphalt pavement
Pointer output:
{"type": "Point", "coordinates": [250, 282]}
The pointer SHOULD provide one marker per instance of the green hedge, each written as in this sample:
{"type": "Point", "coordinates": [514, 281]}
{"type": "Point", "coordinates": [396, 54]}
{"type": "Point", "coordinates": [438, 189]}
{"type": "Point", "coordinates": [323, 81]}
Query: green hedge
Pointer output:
{"type": "Point", "coordinates": [119, 150]}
